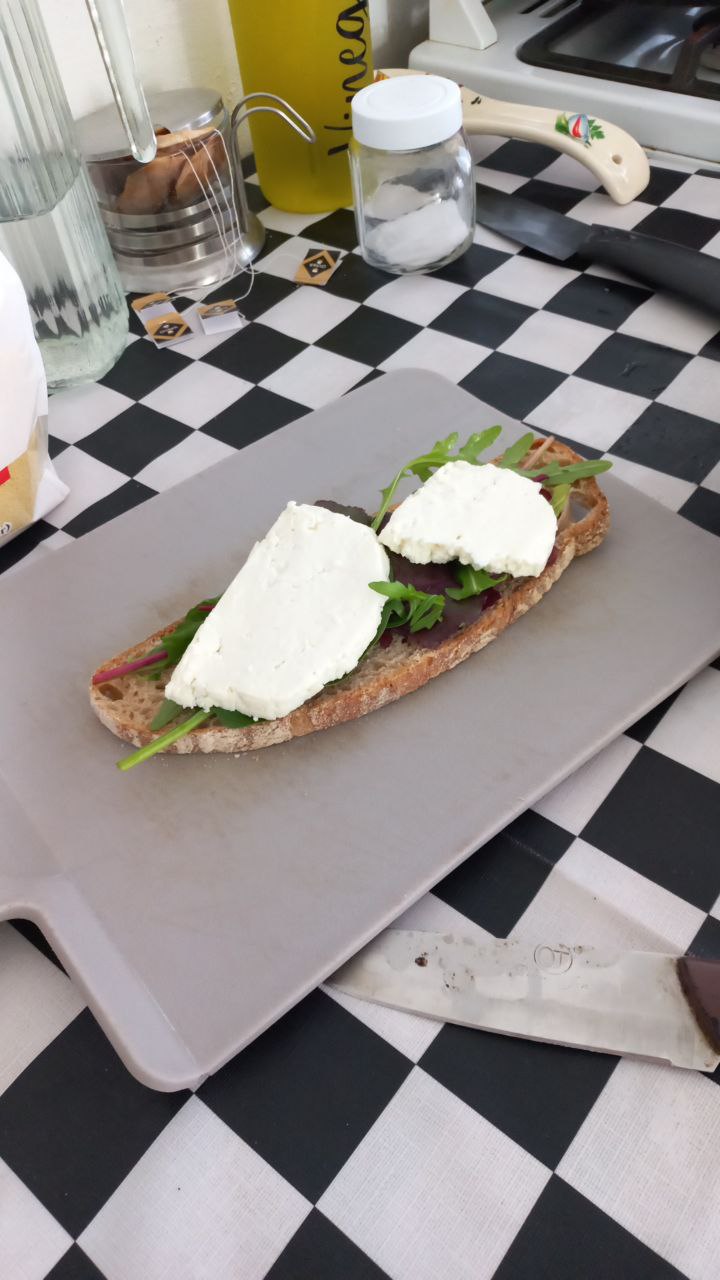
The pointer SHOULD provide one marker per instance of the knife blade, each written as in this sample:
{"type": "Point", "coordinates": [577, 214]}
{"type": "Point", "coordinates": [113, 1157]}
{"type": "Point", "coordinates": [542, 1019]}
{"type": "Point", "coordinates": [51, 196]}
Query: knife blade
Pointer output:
{"type": "Point", "coordinates": [662, 1008]}
{"type": "Point", "coordinates": [658, 263]}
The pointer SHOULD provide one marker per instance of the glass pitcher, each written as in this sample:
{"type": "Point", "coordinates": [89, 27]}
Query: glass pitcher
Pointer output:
{"type": "Point", "coordinates": [50, 226]}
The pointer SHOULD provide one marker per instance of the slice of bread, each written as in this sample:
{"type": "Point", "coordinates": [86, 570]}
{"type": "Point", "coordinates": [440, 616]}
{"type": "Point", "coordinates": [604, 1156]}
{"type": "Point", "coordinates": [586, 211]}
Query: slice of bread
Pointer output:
{"type": "Point", "coordinates": [127, 705]}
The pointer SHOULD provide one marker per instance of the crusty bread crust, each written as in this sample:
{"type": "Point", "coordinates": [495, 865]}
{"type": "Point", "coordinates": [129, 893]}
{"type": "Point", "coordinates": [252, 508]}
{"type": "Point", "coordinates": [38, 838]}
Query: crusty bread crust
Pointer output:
{"type": "Point", "coordinates": [127, 705]}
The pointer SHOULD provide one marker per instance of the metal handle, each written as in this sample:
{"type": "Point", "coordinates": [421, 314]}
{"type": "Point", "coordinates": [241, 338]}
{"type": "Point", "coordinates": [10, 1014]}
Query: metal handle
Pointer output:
{"type": "Point", "coordinates": [250, 225]}
{"type": "Point", "coordinates": [286, 113]}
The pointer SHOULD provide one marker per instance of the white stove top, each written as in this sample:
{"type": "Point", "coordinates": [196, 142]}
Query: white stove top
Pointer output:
{"type": "Point", "coordinates": [677, 123]}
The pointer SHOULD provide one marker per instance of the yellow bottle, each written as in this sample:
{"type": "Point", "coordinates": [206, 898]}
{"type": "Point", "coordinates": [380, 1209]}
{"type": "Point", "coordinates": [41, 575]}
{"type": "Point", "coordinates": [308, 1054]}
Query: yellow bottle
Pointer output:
{"type": "Point", "coordinates": [316, 54]}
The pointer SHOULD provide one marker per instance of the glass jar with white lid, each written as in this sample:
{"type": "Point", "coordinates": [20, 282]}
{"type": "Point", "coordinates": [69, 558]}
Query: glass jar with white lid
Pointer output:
{"type": "Point", "coordinates": [412, 174]}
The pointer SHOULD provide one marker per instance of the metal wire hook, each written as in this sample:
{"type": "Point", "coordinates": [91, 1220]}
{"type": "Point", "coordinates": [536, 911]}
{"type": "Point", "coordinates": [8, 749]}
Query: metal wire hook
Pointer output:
{"type": "Point", "coordinates": [286, 113]}
{"type": "Point", "coordinates": [252, 232]}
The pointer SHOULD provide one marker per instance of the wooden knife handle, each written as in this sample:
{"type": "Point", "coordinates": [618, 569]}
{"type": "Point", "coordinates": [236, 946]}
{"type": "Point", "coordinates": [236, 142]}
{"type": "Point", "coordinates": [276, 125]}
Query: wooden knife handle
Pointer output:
{"type": "Point", "coordinates": [616, 159]}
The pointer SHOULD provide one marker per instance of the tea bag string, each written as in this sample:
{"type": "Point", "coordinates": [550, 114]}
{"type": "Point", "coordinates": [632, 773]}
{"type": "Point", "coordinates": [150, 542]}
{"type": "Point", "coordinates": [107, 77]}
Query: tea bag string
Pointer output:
{"type": "Point", "coordinates": [230, 206]}
{"type": "Point", "coordinates": [229, 244]}
{"type": "Point", "coordinates": [228, 239]}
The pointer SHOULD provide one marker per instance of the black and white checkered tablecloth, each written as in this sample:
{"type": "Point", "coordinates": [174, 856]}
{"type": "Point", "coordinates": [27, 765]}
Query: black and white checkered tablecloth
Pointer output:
{"type": "Point", "coordinates": [352, 1142]}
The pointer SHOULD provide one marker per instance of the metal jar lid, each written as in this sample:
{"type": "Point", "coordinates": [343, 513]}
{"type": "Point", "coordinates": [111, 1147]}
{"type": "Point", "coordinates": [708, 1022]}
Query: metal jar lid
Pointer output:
{"type": "Point", "coordinates": [102, 136]}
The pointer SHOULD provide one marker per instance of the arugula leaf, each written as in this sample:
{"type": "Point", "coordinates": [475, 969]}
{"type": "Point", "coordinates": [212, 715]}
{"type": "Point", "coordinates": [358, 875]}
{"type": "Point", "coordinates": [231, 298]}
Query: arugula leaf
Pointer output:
{"type": "Point", "coordinates": [174, 644]}
{"type": "Point", "coordinates": [167, 712]}
{"type": "Point", "coordinates": [425, 612]}
{"type": "Point", "coordinates": [165, 740]}
{"type": "Point", "coordinates": [393, 615]}
{"type": "Point", "coordinates": [421, 610]}
{"type": "Point", "coordinates": [477, 443]}
{"type": "Point", "coordinates": [555, 473]}
{"type": "Point", "coordinates": [177, 642]}
{"type": "Point", "coordinates": [516, 452]}
{"type": "Point", "coordinates": [441, 452]}
{"type": "Point", "coordinates": [232, 719]}
{"type": "Point", "coordinates": [559, 498]}
{"type": "Point", "coordinates": [423, 468]}
{"type": "Point", "coordinates": [393, 590]}
{"type": "Point", "coordinates": [472, 582]}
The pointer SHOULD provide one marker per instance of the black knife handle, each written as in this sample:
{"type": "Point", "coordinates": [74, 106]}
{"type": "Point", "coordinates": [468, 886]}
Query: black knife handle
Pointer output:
{"type": "Point", "coordinates": [659, 263]}
{"type": "Point", "coordinates": [700, 982]}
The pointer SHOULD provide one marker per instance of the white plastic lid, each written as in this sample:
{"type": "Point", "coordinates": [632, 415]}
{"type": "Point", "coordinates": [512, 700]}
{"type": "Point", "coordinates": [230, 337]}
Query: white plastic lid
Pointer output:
{"type": "Point", "coordinates": [404, 113]}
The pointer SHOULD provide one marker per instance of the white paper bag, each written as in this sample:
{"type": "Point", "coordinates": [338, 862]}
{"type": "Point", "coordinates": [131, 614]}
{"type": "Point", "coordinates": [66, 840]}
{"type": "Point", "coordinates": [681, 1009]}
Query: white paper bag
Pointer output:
{"type": "Point", "coordinates": [29, 485]}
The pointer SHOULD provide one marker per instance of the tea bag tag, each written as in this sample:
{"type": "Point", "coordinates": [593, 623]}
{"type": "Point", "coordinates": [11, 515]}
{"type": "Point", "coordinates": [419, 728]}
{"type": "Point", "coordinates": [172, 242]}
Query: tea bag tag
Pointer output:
{"type": "Point", "coordinates": [317, 266]}
{"type": "Point", "coordinates": [160, 320]}
{"type": "Point", "coordinates": [220, 317]}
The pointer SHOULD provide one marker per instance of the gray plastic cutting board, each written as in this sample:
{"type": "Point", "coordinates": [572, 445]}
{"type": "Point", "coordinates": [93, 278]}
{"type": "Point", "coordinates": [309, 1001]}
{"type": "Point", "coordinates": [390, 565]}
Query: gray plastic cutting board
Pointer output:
{"type": "Point", "coordinates": [196, 898]}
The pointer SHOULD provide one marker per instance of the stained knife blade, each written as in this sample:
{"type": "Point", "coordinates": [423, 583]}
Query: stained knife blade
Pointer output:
{"type": "Point", "coordinates": [658, 263]}
{"type": "Point", "coordinates": [662, 1008]}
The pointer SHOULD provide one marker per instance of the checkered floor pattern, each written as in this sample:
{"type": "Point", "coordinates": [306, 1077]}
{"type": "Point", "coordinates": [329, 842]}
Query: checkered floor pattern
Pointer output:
{"type": "Point", "coordinates": [352, 1142]}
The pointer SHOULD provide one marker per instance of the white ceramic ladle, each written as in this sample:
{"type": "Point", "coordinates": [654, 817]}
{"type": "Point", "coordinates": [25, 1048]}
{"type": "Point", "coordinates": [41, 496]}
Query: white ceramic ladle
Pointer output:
{"type": "Point", "coordinates": [616, 159]}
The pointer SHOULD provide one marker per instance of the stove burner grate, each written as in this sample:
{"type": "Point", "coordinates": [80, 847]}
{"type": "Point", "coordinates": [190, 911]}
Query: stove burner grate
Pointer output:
{"type": "Point", "coordinates": [664, 45]}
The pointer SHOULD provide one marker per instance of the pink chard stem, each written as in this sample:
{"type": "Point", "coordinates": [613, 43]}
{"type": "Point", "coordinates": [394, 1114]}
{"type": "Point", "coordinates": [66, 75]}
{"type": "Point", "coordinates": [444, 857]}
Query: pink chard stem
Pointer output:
{"type": "Point", "coordinates": [101, 677]}
{"type": "Point", "coordinates": [127, 668]}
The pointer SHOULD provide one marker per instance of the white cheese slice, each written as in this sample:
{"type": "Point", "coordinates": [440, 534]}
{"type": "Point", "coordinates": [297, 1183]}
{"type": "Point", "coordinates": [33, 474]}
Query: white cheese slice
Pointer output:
{"type": "Point", "coordinates": [299, 614]}
{"type": "Point", "coordinates": [484, 516]}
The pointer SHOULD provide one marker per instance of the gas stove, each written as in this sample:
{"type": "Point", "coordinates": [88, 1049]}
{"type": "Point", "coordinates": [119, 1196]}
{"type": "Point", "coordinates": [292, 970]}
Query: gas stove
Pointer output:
{"type": "Point", "coordinates": [650, 66]}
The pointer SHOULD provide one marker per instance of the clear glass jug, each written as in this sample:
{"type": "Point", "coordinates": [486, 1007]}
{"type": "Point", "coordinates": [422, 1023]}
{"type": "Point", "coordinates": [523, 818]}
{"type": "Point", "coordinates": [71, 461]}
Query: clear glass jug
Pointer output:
{"type": "Point", "coordinates": [50, 226]}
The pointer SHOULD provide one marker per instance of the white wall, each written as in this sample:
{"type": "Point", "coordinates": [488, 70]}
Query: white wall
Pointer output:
{"type": "Point", "coordinates": [397, 26]}
{"type": "Point", "coordinates": [190, 42]}
{"type": "Point", "coordinates": [176, 43]}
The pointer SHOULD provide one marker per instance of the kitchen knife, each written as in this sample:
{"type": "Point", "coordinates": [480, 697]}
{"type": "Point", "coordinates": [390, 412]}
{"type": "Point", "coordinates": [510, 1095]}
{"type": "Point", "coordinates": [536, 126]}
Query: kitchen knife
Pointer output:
{"type": "Point", "coordinates": [658, 263]}
{"type": "Point", "coordinates": [658, 1007]}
